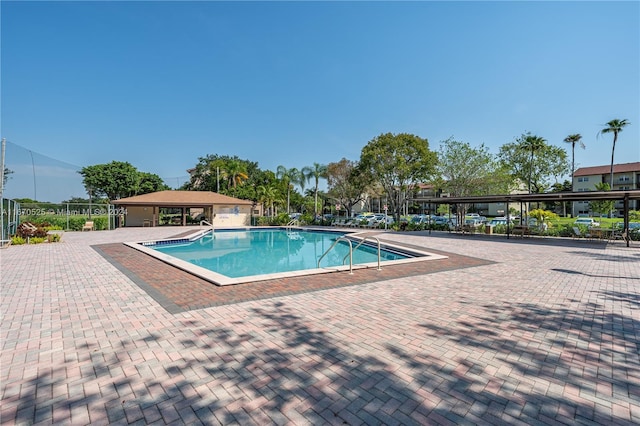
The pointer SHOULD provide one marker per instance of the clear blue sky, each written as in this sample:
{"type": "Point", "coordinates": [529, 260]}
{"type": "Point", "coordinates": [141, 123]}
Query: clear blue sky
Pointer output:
{"type": "Point", "coordinates": [159, 84]}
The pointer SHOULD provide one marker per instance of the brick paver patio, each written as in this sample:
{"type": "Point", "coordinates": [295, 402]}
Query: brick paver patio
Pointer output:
{"type": "Point", "coordinates": [517, 332]}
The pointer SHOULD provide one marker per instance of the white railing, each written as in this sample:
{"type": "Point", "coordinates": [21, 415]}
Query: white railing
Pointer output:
{"type": "Point", "coordinates": [364, 237]}
{"type": "Point", "coordinates": [204, 222]}
{"type": "Point", "coordinates": [350, 252]}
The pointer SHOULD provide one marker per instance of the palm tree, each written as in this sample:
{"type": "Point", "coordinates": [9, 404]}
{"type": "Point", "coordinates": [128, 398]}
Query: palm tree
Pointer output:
{"type": "Point", "coordinates": [236, 172]}
{"type": "Point", "coordinates": [533, 144]}
{"type": "Point", "coordinates": [573, 140]}
{"type": "Point", "coordinates": [317, 171]}
{"type": "Point", "coordinates": [288, 176]}
{"type": "Point", "coordinates": [614, 126]}
{"type": "Point", "coordinates": [267, 194]}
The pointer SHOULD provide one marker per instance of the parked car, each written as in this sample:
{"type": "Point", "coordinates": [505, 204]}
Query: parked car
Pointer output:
{"type": "Point", "coordinates": [382, 218]}
{"type": "Point", "coordinates": [474, 222]}
{"type": "Point", "coordinates": [440, 220]}
{"type": "Point", "coordinates": [420, 218]}
{"type": "Point", "coordinates": [634, 227]}
{"type": "Point", "coordinates": [586, 221]}
{"type": "Point", "coordinates": [500, 220]}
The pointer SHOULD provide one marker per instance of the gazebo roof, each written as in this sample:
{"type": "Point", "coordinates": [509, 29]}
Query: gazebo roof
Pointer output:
{"type": "Point", "coordinates": [180, 198]}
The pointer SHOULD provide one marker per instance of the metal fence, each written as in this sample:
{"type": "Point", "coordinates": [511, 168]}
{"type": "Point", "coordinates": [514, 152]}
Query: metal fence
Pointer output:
{"type": "Point", "coordinates": [69, 216]}
{"type": "Point", "coordinates": [10, 212]}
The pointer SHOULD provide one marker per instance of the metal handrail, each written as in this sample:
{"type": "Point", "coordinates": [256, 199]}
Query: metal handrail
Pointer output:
{"type": "Point", "coordinates": [350, 252]}
{"type": "Point", "coordinates": [293, 222]}
{"type": "Point", "coordinates": [364, 238]}
{"type": "Point", "coordinates": [204, 222]}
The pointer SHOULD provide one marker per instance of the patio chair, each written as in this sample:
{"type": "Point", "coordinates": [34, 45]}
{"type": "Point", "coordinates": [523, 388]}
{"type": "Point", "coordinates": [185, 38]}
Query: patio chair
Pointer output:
{"type": "Point", "coordinates": [88, 226]}
{"type": "Point", "coordinates": [372, 223]}
{"type": "Point", "coordinates": [578, 234]}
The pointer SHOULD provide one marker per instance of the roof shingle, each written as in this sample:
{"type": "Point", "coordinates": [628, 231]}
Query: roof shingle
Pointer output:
{"type": "Point", "coordinates": [181, 198]}
{"type": "Point", "coordinates": [603, 170]}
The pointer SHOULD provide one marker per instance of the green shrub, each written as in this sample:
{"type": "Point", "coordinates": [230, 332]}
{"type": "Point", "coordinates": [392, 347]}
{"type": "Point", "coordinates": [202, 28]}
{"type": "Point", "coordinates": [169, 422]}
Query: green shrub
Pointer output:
{"type": "Point", "coordinates": [281, 219]}
{"type": "Point", "coordinates": [37, 240]}
{"type": "Point", "coordinates": [100, 223]}
{"type": "Point", "coordinates": [54, 238]}
{"type": "Point", "coordinates": [262, 221]}
{"type": "Point", "coordinates": [17, 241]}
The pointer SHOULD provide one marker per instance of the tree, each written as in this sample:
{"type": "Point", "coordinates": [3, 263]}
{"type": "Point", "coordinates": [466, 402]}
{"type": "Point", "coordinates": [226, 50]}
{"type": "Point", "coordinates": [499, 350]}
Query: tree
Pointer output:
{"type": "Point", "coordinates": [470, 171]}
{"type": "Point", "coordinates": [532, 144]}
{"type": "Point", "coordinates": [464, 171]}
{"type": "Point", "coordinates": [398, 163]}
{"type": "Point", "coordinates": [114, 180]}
{"type": "Point", "coordinates": [316, 172]}
{"type": "Point", "coordinates": [602, 207]}
{"type": "Point", "coordinates": [226, 175]}
{"type": "Point", "coordinates": [614, 126]}
{"type": "Point", "coordinates": [288, 177]}
{"type": "Point", "coordinates": [573, 140]}
{"type": "Point", "coordinates": [119, 179]}
{"type": "Point", "coordinates": [236, 172]}
{"type": "Point", "coordinates": [534, 162]}
{"type": "Point", "coordinates": [565, 186]}
{"type": "Point", "coordinates": [543, 217]}
{"type": "Point", "coordinates": [267, 195]}
{"type": "Point", "coordinates": [346, 185]}
{"type": "Point", "coordinates": [76, 200]}
{"type": "Point", "coordinates": [150, 182]}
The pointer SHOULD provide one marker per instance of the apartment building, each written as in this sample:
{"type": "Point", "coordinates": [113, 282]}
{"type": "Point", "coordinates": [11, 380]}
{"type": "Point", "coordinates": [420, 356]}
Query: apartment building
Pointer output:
{"type": "Point", "coordinates": [625, 177]}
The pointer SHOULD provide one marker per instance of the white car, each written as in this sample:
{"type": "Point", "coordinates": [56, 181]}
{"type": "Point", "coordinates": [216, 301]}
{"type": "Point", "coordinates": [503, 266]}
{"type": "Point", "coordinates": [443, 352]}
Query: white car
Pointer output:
{"type": "Point", "coordinates": [586, 221]}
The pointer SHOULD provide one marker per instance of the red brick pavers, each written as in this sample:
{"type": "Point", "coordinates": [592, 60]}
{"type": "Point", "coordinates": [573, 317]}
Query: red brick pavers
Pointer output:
{"type": "Point", "coordinates": [178, 290]}
{"type": "Point", "coordinates": [548, 332]}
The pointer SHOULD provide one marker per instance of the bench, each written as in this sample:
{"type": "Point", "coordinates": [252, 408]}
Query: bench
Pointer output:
{"type": "Point", "coordinates": [88, 226]}
{"type": "Point", "coordinates": [521, 230]}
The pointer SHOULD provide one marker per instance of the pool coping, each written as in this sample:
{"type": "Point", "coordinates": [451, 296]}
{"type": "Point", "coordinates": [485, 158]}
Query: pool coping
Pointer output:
{"type": "Point", "coordinates": [223, 280]}
{"type": "Point", "coordinates": [178, 291]}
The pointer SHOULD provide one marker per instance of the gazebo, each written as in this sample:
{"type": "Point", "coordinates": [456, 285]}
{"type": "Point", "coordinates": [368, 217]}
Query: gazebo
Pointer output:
{"type": "Point", "coordinates": [184, 207]}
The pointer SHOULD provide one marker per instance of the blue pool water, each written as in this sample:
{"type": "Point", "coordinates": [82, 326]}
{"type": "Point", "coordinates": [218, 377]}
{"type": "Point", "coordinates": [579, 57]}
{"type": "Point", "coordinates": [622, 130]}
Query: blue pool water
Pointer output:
{"type": "Point", "coordinates": [247, 252]}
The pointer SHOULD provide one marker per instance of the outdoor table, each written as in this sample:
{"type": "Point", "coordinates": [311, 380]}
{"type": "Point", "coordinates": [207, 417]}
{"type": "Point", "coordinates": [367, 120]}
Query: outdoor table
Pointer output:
{"type": "Point", "coordinates": [602, 233]}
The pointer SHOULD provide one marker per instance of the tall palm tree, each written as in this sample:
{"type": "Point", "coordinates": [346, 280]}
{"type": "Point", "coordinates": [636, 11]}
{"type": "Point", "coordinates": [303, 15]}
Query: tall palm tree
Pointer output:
{"type": "Point", "coordinates": [317, 171]}
{"type": "Point", "coordinates": [267, 195]}
{"type": "Point", "coordinates": [533, 144]}
{"type": "Point", "coordinates": [573, 140]}
{"type": "Point", "coordinates": [288, 176]}
{"type": "Point", "coordinates": [614, 126]}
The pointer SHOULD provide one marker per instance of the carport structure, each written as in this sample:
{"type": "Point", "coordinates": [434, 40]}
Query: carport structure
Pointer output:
{"type": "Point", "coordinates": [624, 195]}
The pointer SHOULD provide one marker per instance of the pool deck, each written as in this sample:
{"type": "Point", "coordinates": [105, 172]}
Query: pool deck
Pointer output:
{"type": "Point", "coordinates": [519, 331]}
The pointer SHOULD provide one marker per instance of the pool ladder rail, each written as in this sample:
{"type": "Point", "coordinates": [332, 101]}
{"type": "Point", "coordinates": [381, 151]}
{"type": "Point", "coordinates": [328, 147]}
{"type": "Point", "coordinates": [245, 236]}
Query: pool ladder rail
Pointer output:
{"type": "Point", "coordinates": [363, 237]}
{"type": "Point", "coordinates": [204, 222]}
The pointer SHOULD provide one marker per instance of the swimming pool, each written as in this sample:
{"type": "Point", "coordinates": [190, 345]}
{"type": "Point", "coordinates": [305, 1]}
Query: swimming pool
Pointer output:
{"type": "Point", "coordinates": [233, 256]}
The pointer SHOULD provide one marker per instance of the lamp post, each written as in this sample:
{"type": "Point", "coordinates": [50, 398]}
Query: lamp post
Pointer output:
{"type": "Point", "coordinates": [90, 192]}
